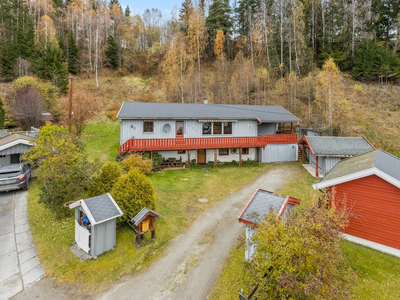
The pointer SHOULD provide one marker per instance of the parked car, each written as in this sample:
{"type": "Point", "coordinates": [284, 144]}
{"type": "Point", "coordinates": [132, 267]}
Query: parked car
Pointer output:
{"type": "Point", "coordinates": [14, 177]}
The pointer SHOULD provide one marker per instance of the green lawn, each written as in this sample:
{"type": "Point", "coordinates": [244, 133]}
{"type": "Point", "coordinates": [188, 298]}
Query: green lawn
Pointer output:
{"type": "Point", "coordinates": [177, 194]}
{"type": "Point", "coordinates": [378, 273]}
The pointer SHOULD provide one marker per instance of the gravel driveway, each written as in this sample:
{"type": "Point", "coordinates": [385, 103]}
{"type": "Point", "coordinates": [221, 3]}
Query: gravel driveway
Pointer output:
{"type": "Point", "coordinates": [193, 260]}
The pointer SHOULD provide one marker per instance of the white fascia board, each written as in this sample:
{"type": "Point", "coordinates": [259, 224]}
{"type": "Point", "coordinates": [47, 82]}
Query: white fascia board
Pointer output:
{"type": "Point", "coordinates": [88, 213]}
{"type": "Point", "coordinates": [357, 175]}
{"type": "Point", "coordinates": [115, 203]}
{"type": "Point", "coordinates": [16, 142]}
{"type": "Point", "coordinates": [120, 110]}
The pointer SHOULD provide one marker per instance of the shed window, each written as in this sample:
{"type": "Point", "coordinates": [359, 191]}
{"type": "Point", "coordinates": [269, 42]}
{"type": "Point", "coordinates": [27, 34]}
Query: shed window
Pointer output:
{"type": "Point", "coordinates": [145, 225]}
{"type": "Point", "coordinates": [217, 128]}
{"type": "Point", "coordinates": [227, 127]}
{"type": "Point", "coordinates": [148, 126]}
{"type": "Point", "coordinates": [207, 128]}
{"type": "Point", "coordinates": [223, 151]}
{"type": "Point", "coordinates": [245, 150]}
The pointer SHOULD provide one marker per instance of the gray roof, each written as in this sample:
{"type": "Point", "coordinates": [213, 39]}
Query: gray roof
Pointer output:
{"type": "Point", "coordinates": [102, 208]}
{"type": "Point", "coordinates": [260, 205]}
{"type": "Point", "coordinates": [138, 218]}
{"type": "Point", "coordinates": [146, 110]}
{"type": "Point", "coordinates": [335, 145]}
{"type": "Point", "coordinates": [379, 159]}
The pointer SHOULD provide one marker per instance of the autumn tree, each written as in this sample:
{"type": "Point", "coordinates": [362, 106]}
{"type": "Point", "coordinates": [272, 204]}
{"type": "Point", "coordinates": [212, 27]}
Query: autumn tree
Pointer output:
{"type": "Point", "coordinates": [219, 44]}
{"type": "Point", "coordinates": [2, 114]}
{"type": "Point", "coordinates": [300, 257]}
{"type": "Point", "coordinates": [28, 108]}
{"type": "Point", "coordinates": [106, 180]}
{"type": "Point", "coordinates": [62, 167]}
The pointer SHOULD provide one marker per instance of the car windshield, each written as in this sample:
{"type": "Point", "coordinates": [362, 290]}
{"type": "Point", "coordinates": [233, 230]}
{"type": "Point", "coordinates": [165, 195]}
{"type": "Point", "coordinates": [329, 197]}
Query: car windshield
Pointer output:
{"type": "Point", "coordinates": [10, 174]}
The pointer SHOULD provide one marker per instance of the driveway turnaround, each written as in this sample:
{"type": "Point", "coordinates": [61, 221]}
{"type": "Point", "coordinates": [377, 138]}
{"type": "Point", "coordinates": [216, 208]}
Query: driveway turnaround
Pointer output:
{"type": "Point", "coordinates": [19, 265]}
{"type": "Point", "coordinates": [193, 260]}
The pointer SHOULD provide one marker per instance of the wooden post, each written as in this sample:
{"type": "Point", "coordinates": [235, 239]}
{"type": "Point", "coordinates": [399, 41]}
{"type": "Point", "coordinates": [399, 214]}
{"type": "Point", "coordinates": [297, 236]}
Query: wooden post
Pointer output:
{"type": "Point", "coordinates": [215, 158]}
{"type": "Point", "coordinates": [240, 157]}
{"type": "Point", "coordinates": [302, 154]}
{"type": "Point", "coordinates": [291, 127]}
{"type": "Point", "coordinates": [188, 158]}
{"type": "Point", "coordinates": [153, 234]}
{"type": "Point", "coordinates": [316, 166]}
{"type": "Point", "coordinates": [138, 240]}
{"type": "Point", "coordinates": [151, 155]}
{"type": "Point", "coordinates": [69, 102]}
{"type": "Point", "coordinates": [260, 156]}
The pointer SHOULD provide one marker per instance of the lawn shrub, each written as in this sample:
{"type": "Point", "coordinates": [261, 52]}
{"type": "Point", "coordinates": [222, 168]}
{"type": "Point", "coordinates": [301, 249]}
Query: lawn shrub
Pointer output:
{"type": "Point", "coordinates": [132, 192]}
{"type": "Point", "coordinates": [135, 160]}
{"type": "Point", "coordinates": [104, 183]}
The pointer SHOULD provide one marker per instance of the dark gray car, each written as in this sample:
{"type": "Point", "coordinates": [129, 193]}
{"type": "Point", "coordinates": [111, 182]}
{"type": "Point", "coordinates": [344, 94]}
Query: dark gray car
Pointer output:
{"type": "Point", "coordinates": [14, 177]}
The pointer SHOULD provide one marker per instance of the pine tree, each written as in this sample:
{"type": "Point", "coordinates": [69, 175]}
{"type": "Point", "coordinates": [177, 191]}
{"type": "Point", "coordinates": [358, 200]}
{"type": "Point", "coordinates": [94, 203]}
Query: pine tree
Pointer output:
{"type": "Point", "coordinates": [245, 13]}
{"type": "Point", "coordinates": [127, 11]}
{"type": "Point", "coordinates": [2, 114]}
{"type": "Point", "coordinates": [112, 2]}
{"type": "Point", "coordinates": [184, 15]}
{"type": "Point", "coordinates": [51, 65]}
{"type": "Point", "coordinates": [73, 55]}
{"type": "Point", "coordinates": [219, 17]}
{"type": "Point", "coordinates": [112, 52]}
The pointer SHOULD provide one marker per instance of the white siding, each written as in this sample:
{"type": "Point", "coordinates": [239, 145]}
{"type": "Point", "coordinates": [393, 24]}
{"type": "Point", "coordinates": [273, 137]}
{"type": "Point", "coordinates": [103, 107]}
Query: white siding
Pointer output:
{"type": "Point", "coordinates": [5, 160]}
{"type": "Point", "coordinates": [20, 148]}
{"type": "Point", "coordinates": [268, 128]}
{"type": "Point", "coordinates": [250, 247]}
{"type": "Point", "coordinates": [330, 162]}
{"type": "Point", "coordinates": [192, 129]}
{"type": "Point", "coordinates": [279, 152]}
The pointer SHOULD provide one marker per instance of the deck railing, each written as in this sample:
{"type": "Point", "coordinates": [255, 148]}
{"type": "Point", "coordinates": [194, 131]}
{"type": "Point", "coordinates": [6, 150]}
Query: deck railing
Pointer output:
{"type": "Point", "coordinates": [206, 143]}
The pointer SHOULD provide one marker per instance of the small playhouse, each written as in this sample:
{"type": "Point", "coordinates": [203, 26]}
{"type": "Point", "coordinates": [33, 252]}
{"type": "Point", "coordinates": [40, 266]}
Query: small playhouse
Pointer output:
{"type": "Point", "coordinates": [259, 205]}
{"type": "Point", "coordinates": [144, 221]}
{"type": "Point", "coordinates": [95, 224]}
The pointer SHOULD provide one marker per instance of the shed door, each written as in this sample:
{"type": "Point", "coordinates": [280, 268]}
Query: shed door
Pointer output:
{"type": "Point", "coordinates": [201, 156]}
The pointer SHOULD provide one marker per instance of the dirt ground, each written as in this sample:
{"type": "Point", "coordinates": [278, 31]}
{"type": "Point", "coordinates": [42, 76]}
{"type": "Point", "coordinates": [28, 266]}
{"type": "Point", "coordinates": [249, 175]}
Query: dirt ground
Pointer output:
{"type": "Point", "coordinates": [191, 262]}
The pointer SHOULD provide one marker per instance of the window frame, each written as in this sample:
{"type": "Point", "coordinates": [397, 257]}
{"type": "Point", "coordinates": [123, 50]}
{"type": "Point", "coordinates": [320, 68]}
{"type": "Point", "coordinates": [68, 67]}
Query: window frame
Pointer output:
{"type": "Point", "coordinates": [181, 151]}
{"type": "Point", "coordinates": [148, 121]}
{"type": "Point", "coordinates": [245, 152]}
{"type": "Point", "coordinates": [176, 129]}
{"type": "Point", "coordinates": [211, 128]}
{"type": "Point", "coordinates": [219, 151]}
{"type": "Point", "coordinates": [223, 127]}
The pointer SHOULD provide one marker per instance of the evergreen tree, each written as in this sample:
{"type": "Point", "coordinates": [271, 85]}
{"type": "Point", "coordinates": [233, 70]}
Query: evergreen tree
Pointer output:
{"type": "Point", "coordinates": [246, 13]}
{"type": "Point", "coordinates": [51, 65]}
{"type": "Point", "coordinates": [112, 2]}
{"type": "Point", "coordinates": [184, 14]}
{"type": "Point", "coordinates": [72, 55]}
{"type": "Point", "coordinates": [127, 11]}
{"type": "Point", "coordinates": [112, 52]}
{"type": "Point", "coordinates": [219, 17]}
{"type": "Point", "coordinates": [2, 114]}
{"type": "Point", "coordinates": [202, 4]}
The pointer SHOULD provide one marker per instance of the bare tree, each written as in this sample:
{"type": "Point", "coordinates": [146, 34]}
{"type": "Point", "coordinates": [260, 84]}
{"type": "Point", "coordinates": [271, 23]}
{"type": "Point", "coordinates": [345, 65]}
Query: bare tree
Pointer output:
{"type": "Point", "coordinates": [28, 107]}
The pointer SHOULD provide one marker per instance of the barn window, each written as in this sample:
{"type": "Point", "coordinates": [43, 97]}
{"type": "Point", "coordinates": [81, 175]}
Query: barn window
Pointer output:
{"type": "Point", "coordinates": [207, 128]}
{"type": "Point", "coordinates": [227, 127]}
{"type": "Point", "coordinates": [145, 225]}
{"type": "Point", "coordinates": [223, 151]}
{"type": "Point", "coordinates": [148, 126]}
{"type": "Point", "coordinates": [217, 128]}
{"type": "Point", "coordinates": [245, 151]}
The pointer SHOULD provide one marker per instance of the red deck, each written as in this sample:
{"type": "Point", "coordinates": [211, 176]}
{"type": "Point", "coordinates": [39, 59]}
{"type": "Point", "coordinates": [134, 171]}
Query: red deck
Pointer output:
{"type": "Point", "coordinates": [206, 143]}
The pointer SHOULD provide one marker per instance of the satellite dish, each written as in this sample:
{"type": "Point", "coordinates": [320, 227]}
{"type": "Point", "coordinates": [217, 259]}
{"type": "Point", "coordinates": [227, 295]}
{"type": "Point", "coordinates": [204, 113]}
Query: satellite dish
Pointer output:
{"type": "Point", "coordinates": [167, 127]}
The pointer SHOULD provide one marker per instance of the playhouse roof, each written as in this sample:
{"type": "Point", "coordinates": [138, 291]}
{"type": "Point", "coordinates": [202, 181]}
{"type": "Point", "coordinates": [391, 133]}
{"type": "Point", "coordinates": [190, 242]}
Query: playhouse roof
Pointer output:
{"type": "Point", "coordinates": [139, 217]}
{"type": "Point", "coordinates": [262, 203]}
{"type": "Point", "coordinates": [149, 110]}
{"type": "Point", "coordinates": [100, 208]}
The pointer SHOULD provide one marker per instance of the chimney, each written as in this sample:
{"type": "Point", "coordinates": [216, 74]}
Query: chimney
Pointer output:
{"type": "Point", "coordinates": [205, 100]}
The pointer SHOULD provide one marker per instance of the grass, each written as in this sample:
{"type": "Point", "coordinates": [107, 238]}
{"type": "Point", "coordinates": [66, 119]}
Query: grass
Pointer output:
{"type": "Point", "coordinates": [378, 273]}
{"type": "Point", "coordinates": [177, 192]}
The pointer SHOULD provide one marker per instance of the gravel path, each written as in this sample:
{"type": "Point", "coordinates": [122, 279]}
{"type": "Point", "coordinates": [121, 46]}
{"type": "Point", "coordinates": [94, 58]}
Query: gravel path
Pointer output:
{"type": "Point", "coordinates": [193, 260]}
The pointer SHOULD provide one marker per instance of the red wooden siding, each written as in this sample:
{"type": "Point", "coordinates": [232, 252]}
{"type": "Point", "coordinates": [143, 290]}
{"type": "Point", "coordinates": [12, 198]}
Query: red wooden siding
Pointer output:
{"type": "Point", "coordinates": [206, 143]}
{"type": "Point", "coordinates": [376, 203]}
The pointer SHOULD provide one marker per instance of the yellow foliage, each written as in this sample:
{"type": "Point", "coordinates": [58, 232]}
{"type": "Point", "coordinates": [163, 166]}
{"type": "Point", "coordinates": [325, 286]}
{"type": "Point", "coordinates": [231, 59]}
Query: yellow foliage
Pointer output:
{"type": "Point", "coordinates": [45, 32]}
{"type": "Point", "coordinates": [219, 44]}
{"type": "Point", "coordinates": [358, 88]}
{"type": "Point", "coordinates": [136, 161]}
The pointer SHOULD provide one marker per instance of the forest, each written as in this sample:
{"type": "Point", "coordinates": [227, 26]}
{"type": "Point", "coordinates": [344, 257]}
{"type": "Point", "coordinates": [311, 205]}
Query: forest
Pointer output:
{"type": "Point", "coordinates": [323, 60]}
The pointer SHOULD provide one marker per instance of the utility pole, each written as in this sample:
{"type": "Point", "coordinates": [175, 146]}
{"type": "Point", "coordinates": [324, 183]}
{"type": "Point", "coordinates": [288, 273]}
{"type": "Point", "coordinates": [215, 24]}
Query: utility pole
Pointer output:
{"type": "Point", "coordinates": [69, 102]}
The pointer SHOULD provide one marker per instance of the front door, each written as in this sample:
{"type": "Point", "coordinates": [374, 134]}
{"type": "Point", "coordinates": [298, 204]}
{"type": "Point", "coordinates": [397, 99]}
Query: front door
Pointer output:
{"type": "Point", "coordinates": [201, 156]}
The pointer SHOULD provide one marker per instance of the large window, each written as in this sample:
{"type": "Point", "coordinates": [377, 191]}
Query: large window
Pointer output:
{"type": "Point", "coordinates": [207, 128]}
{"type": "Point", "coordinates": [148, 126]}
{"type": "Point", "coordinates": [223, 152]}
{"type": "Point", "coordinates": [217, 127]}
{"type": "Point", "coordinates": [227, 127]}
{"type": "Point", "coordinates": [179, 128]}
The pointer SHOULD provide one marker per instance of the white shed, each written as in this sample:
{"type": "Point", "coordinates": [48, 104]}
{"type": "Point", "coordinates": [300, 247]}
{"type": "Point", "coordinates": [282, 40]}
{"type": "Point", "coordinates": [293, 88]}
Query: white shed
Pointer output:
{"type": "Point", "coordinates": [95, 224]}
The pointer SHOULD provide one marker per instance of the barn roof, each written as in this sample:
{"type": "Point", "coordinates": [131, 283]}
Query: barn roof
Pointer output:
{"type": "Point", "coordinates": [146, 110]}
{"type": "Point", "coordinates": [101, 208]}
{"type": "Point", "coordinates": [377, 162]}
{"type": "Point", "coordinates": [262, 203]}
{"type": "Point", "coordinates": [138, 218]}
{"type": "Point", "coordinates": [337, 145]}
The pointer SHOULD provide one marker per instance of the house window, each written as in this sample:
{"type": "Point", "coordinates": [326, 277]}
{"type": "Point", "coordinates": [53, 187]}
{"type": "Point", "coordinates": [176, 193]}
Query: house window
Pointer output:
{"type": "Point", "coordinates": [181, 151]}
{"type": "Point", "coordinates": [217, 128]}
{"type": "Point", "coordinates": [245, 150]}
{"type": "Point", "coordinates": [223, 152]}
{"type": "Point", "coordinates": [227, 127]}
{"type": "Point", "coordinates": [207, 128]}
{"type": "Point", "coordinates": [148, 126]}
{"type": "Point", "coordinates": [179, 128]}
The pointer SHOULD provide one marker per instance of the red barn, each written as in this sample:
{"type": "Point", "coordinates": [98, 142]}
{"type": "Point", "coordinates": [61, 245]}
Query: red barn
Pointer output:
{"type": "Point", "coordinates": [368, 185]}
